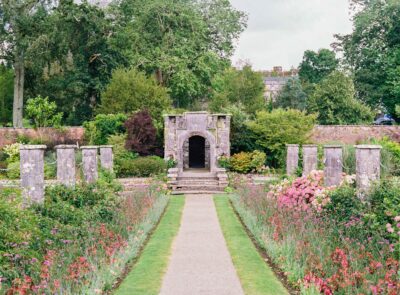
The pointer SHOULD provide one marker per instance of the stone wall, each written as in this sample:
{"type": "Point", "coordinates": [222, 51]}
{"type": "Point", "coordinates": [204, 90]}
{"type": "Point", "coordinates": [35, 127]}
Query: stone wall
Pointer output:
{"type": "Point", "coordinates": [49, 136]}
{"type": "Point", "coordinates": [353, 134]}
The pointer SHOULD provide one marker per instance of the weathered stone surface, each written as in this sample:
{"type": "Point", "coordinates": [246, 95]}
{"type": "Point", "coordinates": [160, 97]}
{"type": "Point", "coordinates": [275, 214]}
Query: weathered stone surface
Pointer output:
{"type": "Point", "coordinates": [32, 173]}
{"type": "Point", "coordinates": [310, 158]}
{"type": "Point", "coordinates": [368, 166]}
{"type": "Point", "coordinates": [89, 163]}
{"type": "Point", "coordinates": [106, 157]}
{"type": "Point", "coordinates": [333, 160]}
{"type": "Point", "coordinates": [292, 158]}
{"type": "Point", "coordinates": [66, 169]}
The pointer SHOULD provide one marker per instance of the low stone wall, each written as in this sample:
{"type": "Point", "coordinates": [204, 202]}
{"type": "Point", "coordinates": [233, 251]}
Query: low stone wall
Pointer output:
{"type": "Point", "coordinates": [48, 136]}
{"type": "Point", "coordinates": [353, 134]}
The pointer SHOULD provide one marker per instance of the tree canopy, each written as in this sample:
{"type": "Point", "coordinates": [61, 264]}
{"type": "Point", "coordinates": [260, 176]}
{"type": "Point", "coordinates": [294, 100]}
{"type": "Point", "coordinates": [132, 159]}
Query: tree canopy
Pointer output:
{"type": "Point", "coordinates": [317, 65]}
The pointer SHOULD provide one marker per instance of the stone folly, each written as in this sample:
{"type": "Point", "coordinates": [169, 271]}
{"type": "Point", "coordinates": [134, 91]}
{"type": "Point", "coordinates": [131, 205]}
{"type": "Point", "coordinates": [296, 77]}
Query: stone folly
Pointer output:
{"type": "Point", "coordinates": [195, 141]}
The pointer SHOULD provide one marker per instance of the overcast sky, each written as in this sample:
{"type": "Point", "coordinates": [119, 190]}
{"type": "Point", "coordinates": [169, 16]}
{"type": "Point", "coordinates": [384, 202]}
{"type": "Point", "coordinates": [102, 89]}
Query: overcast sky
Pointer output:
{"type": "Point", "coordinates": [279, 31]}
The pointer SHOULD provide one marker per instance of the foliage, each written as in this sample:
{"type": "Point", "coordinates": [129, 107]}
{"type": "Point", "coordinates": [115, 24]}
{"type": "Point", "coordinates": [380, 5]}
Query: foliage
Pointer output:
{"type": "Point", "coordinates": [291, 96]}
{"type": "Point", "coordinates": [246, 162]}
{"type": "Point", "coordinates": [6, 94]}
{"type": "Point", "coordinates": [371, 51]}
{"type": "Point", "coordinates": [12, 152]}
{"type": "Point", "coordinates": [75, 242]}
{"type": "Point", "coordinates": [317, 65]}
{"type": "Point", "coordinates": [142, 134]}
{"type": "Point", "coordinates": [142, 167]}
{"type": "Point", "coordinates": [103, 126]}
{"type": "Point", "coordinates": [243, 86]}
{"type": "Point", "coordinates": [13, 170]}
{"type": "Point", "coordinates": [185, 48]}
{"type": "Point", "coordinates": [280, 127]}
{"type": "Point", "coordinates": [334, 101]}
{"type": "Point", "coordinates": [42, 112]}
{"type": "Point", "coordinates": [130, 90]}
{"type": "Point", "coordinates": [390, 156]}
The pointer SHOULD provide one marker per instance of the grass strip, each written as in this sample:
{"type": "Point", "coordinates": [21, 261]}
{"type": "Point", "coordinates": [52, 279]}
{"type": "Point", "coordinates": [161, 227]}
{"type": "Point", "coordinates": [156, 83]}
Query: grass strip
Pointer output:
{"type": "Point", "coordinates": [255, 275]}
{"type": "Point", "coordinates": [146, 276]}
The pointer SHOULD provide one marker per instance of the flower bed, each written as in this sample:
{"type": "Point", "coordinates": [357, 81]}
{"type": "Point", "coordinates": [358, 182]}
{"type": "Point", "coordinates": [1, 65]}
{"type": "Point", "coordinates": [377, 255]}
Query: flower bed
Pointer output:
{"type": "Point", "coordinates": [325, 239]}
{"type": "Point", "coordinates": [78, 242]}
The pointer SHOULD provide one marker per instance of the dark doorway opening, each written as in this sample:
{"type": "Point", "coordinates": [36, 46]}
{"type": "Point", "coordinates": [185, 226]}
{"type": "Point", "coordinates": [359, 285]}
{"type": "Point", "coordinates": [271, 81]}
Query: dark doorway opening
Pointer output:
{"type": "Point", "coordinates": [197, 152]}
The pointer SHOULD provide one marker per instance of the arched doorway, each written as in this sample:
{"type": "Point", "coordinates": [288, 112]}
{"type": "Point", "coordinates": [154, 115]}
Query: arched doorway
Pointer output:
{"type": "Point", "coordinates": [197, 152]}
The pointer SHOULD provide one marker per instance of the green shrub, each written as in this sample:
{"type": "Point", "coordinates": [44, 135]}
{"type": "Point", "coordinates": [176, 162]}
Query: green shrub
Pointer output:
{"type": "Point", "coordinates": [13, 170]}
{"type": "Point", "coordinates": [247, 162]}
{"type": "Point", "coordinates": [390, 157]}
{"type": "Point", "coordinates": [344, 204]}
{"type": "Point", "coordinates": [42, 112]}
{"type": "Point", "coordinates": [142, 167]}
{"type": "Point", "coordinates": [12, 152]}
{"type": "Point", "coordinates": [103, 126]}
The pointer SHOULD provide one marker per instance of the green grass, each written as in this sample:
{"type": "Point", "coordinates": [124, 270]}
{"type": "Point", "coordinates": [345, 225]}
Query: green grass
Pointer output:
{"type": "Point", "coordinates": [146, 275]}
{"type": "Point", "coordinates": [255, 275]}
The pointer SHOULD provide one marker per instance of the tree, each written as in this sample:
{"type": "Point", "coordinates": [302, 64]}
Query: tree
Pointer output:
{"type": "Point", "coordinates": [273, 130]}
{"type": "Point", "coordinates": [317, 65]}
{"type": "Point", "coordinates": [130, 91]}
{"type": "Point", "coordinates": [6, 94]}
{"type": "Point", "coordinates": [183, 43]}
{"type": "Point", "coordinates": [43, 113]}
{"type": "Point", "coordinates": [334, 101]}
{"type": "Point", "coordinates": [235, 86]}
{"type": "Point", "coordinates": [21, 35]}
{"type": "Point", "coordinates": [291, 96]}
{"type": "Point", "coordinates": [372, 53]}
{"type": "Point", "coordinates": [141, 133]}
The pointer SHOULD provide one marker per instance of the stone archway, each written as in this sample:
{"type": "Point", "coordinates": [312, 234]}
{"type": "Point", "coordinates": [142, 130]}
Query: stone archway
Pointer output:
{"type": "Point", "coordinates": [196, 153]}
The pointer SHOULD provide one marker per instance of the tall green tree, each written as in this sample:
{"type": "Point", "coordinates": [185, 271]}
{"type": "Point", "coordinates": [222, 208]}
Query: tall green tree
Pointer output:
{"type": "Point", "coordinates": [335, 103]}
{"type": "Point", "coordinates": [317, 65]}
{"type": "Point", "coordinates": [6, 94]}
{"type": "Point", "coordinates": [292, 96]}
{"type": "Point", "coordinates": [235, 86]}
{"type": "Point", "coordinates": [372, 52]}
{"type": "Point", "coordinates": [184, 43]}
{"type": "Point", "coordinates": [22, 36]}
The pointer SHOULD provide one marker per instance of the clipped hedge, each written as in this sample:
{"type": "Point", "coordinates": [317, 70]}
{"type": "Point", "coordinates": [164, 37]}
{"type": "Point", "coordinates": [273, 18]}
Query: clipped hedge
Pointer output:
{"type": "Point", "coordinates": [142, 167]}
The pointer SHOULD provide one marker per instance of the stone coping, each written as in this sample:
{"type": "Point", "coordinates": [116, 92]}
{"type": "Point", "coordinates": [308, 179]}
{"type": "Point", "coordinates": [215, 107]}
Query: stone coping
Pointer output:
{"type": "Point", "coordinates": [32, 147]}
{"type": "Point", "coordinates": [66, 146]}
{"type": "Point", "coordinates": [194, 113]}
{"type": "Point", "coordinates": [369, 147]}
{"type": "Point", "coordinates": [89, 147]}
{"type": "Point", "coordinates": [333, 146]}
{"type": "Point", "coordinates": [105, 146]}
{"type": "Point", "coordinates": [295, 145]}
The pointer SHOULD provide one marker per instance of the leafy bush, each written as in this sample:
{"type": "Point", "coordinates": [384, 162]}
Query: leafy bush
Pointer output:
{"type": "Point", "coordinates": [143, 167]}
{"type": "Point", "coordinates": [103, 126]}
{"type": "Point", "coordinates": [280, 127]}
{"type": "Point", "coordinates": [142, 135]}
{"type": "Point", "coordinates": [390, 156]}
{"type": "Point", "coordinates": [13, 170]}
{"type": "Point", "coordinates": [12, 152]}
{"type": "Point", "coordinates": [42, 112]}
{"type": "Point", "coordinates": [247, 162]}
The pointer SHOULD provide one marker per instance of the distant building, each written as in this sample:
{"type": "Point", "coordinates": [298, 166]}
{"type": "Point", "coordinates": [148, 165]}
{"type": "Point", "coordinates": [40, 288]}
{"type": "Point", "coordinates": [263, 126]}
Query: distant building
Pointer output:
{"type": "Point", "coordinates": [275, 80]}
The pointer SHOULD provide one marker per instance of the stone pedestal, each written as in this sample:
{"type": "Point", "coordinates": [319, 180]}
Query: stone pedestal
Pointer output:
{"type": "Point", "coordinates": [368, 166]}
{"type": "Point", "coordinates": [310, 158]}
{"type": "Point", "coordinates": [89, 163]}
{"type": "Point", "coordinates": [106, 157]}
{"type": "Point", "coordinates": [66, 171]}
{"type": "Point", "coordinates": [333, 160]}
{"type": "Point", "coordinates": [32, 173]}
{"type": "Point", "coordinates": [292, 159]}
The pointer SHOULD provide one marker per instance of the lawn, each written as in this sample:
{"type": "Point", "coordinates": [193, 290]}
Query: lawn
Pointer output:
{"type": "Point", "coordinates": [146, 276]}
{"type": "Point", "coordinates": [255, 275]}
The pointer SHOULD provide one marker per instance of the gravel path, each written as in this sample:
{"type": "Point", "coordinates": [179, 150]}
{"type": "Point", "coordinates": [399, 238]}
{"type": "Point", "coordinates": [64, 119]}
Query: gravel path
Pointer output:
{"type": "Point", "coordinates": [200, 261]}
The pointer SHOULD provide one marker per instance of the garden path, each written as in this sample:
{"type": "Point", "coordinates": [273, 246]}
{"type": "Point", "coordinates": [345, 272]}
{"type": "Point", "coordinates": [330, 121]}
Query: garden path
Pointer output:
{"type": "Point", "coordinates": [200, 262]}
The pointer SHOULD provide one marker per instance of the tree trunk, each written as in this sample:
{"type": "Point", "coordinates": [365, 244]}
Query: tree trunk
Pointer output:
{"type": "Point", "coordinates": [19, 78]}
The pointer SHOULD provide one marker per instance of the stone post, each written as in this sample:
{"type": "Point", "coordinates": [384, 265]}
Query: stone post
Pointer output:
{"type": "Point", "coordinates": [66, 171]}
{"type": "Point", "coordinates": [89, 163]}
{"type": "Point", "coordinates": [106, 157]}
{"type": "Point", "coordinates": [310, 158]}
{"type": "Point", "coordinates": [292, 158]}
{"type": "Point", "coordinates": [368, 166]}
{"type": "Point", "coordinates": [333, 160]}
{"type": "Point", "coordinates": [32, 173]}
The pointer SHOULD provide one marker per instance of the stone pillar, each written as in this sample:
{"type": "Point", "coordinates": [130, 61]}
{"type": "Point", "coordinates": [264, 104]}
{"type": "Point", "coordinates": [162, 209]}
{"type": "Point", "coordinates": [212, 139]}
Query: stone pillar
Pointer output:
{"type": "Point", "coordinates": [106, 157]}
{"type": "Point", "coordinates": [292, 158]}
{"type": "Point", "coordinates": [89, 163]}
{"type": "Point", "coordinates": [66, 171]}
{"type": "Point", "coordinates": [310, 158]}
{"type": "Point", "coordinates": [368, 166]}
{"type": "Point", "coordinates": [333, 160]}
{"type": "Point", "coordinates": [32, 173]}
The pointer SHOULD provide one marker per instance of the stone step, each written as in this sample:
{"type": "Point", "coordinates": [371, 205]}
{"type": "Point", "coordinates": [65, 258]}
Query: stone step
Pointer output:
{"type": "Point", "coordinates": [197, 181]}
{"type": "Point", "coordinates": [197, 192]}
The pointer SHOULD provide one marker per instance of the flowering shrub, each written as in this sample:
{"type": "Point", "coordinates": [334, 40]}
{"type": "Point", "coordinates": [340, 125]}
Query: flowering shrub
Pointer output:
{"type": "Point", "coordinates": [245, 162]}
{"type": "Point", "coordinates": [326, 239]}
{"type": "Point", "coordinates": [63, 246]}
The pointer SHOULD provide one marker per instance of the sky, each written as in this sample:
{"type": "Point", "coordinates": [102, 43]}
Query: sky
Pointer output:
{"type": "Point", "coordinates": [279, 31]}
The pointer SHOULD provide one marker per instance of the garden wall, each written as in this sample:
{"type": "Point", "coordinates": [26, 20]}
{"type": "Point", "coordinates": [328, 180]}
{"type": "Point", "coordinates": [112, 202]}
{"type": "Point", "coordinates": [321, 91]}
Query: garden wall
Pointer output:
{"type": "Point", "coordinates": [353, 134]}
{"type": "Point", "coordinates": [49, 136]}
